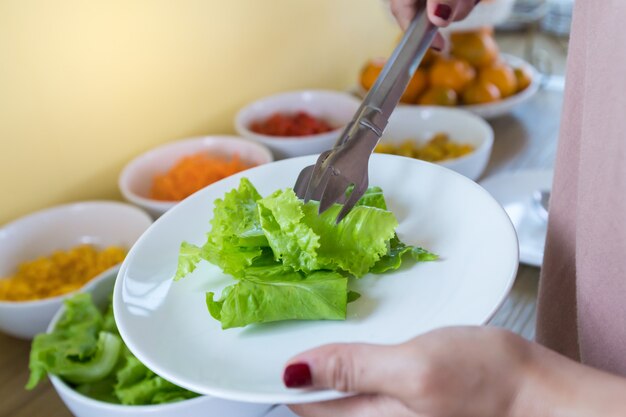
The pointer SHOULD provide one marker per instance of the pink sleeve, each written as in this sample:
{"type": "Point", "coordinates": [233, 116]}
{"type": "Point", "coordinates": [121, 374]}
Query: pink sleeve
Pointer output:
{"type": "Point", "coordinates": [582, 300]}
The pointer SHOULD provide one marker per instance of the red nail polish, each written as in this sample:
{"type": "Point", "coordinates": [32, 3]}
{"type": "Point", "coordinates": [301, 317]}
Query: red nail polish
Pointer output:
{"type": "Point", "coordinates": [297, 375]}
{"type": "Point", "coordinates": [443, 11]}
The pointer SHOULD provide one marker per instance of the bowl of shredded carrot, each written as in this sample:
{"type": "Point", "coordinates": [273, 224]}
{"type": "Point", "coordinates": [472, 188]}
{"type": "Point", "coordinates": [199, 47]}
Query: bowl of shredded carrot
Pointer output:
{"type": "Point", "coordinates": [160, 178]}
{"type": "Point", "coordinates": [49, 255]}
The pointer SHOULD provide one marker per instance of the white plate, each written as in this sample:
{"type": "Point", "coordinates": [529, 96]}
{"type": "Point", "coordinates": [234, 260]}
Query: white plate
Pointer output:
{"type": "Point", "coordinates": [497, 108]}
{"type": "Point", "coordinates": [515, 192]}
{"type": "Point", "coordinates": [167, 325]}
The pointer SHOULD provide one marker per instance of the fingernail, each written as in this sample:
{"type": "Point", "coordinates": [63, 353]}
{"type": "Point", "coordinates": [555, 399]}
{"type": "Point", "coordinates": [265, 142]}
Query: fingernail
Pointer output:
{"type": "Point", "coordinates": [297, 375]}
{"type": "Point", "coordinates": [443, 11]}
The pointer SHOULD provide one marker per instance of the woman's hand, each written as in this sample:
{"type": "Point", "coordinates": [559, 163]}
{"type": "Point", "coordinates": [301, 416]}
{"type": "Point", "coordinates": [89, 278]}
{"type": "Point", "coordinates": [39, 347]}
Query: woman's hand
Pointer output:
{"type": "Point", "coordinates": [440, 12]}
{"type": "Point", "coordinates": [455, 372]}
{"type": "Point", "coordinates": [467, 371]}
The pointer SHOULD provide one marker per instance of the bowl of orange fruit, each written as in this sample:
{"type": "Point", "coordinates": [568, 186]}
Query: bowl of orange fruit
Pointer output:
{"type": "Point", "coordinates": [473, 75]}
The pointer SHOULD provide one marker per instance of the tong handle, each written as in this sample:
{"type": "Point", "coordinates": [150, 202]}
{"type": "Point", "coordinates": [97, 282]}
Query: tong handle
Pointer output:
{"type": "Point", "coordinates": [384, 96]}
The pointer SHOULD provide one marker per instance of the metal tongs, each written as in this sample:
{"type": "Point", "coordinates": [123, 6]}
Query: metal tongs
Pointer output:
{"type": "Point", "coordinates": [346, 164]}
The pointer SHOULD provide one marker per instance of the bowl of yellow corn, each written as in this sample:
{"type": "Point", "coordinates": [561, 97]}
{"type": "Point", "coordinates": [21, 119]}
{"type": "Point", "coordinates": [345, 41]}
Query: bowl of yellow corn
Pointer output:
{"type": "Point", "coordinates": [453, 138]}
{"type": "Point", "coordinates": [49, 255]}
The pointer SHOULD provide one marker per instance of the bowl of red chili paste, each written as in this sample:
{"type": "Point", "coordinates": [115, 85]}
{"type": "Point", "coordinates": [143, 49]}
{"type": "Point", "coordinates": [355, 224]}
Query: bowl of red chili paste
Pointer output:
{"type": "Point", "coordinates": [297, 123]}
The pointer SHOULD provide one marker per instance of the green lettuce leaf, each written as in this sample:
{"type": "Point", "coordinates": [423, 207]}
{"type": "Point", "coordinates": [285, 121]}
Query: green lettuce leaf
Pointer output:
{"type": "Point", "coordinates": [98, 366]}
{"type": "Point", "coordinates": [75, 350]}
{"type": "Point", "coordinates": [290, 262]}
{"type": "Point", "coordinates": [357, 242]}
{"type": "Point", "coordinates": [138, 385]}
{"type": "Point", "coordinates": [188, 258]}
{"type": "Point", "coordinates": [235, 228]}
{"type": "Point", "coordinates": [373, 197]}
{"type": "Point", "coordinates": [394, 256]}
{"type": "Point", "coordinates": [108, 320]}
{"type": "Point", "coordinates": [293, 242]}
{"type": "Point", "coordinates": [321, 295]}
{"type": "Point", "coordinates": [236, 237]}
{"type": "Point", "coordinates": [101, 390]}
{"type": "Point", "coordinates": [353, 296]}
{"type": "Point", "coordinates": [86, 351]}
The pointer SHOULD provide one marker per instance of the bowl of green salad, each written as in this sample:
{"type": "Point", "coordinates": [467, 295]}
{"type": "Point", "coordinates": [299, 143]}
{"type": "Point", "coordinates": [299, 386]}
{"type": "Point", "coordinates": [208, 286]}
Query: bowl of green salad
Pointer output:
{"type": "Point", "coordinates": [96, 375]}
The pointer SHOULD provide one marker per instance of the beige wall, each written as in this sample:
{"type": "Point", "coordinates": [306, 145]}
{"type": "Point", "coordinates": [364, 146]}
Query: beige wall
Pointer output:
{"type": "Point", "coordinates": [85, 85]}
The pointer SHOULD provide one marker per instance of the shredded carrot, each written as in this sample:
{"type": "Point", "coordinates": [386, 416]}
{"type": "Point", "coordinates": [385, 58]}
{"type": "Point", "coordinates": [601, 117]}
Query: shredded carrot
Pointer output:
{"type": "Point", "coordinates": [192, 173]}
{"type": "Point", "coordinates": [60, 273]}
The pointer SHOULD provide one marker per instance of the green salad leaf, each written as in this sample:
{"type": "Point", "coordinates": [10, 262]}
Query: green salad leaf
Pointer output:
{"type": "Point", "coordinates": [373, 197]}
{"type": "Point", "coordinates": [138, 385]}
{"type": "Point", "coordinates": [236, 237]}
{"type": "Point", "coordinates": [290, 262]}
{"type": "Point", "coordinates": [188, 257]}
{"type": "Point", "coordinates": [357, 242]}
{"type": "Point", "coordinates": [397, 250]}
{"type": "Point", "coordinates": [319, 295]}
{"type": "Point", "coordinates": [86, 351]}
{"type": "Point", "coordinates": [293, 242]}
{"type": "Point", "coordinates": [77, 350]}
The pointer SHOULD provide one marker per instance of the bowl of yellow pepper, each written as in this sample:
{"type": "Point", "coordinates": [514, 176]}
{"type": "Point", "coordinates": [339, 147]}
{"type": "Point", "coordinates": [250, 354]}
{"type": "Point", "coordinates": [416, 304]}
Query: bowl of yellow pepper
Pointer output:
{"type": "Point", "coordinates": [49, 255]}
{"type": "Point", "coordinates": [453, 138]}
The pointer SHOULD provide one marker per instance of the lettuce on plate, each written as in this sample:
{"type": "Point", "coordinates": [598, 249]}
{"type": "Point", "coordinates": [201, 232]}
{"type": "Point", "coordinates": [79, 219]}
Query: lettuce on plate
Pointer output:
{"type": "Point", "coordinates": [86, 351]}
{"type": "Point", "coordinates": [289, 262]}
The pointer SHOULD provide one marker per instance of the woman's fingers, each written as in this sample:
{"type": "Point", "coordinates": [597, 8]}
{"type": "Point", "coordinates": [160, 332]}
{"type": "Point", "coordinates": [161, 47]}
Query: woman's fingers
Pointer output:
{"type": "Point", "coordinates": [444, 12]}
{"type": "Point", "coordinates": [439, 43]}
{"type": "Point", "coordinates": [357, 368]}
{"type": "Point", "coordinates": [404, 11]}
{"type": "Point", "coordinates": [361, 406]}
{"type": "Point", "coordinates": [440, 12]}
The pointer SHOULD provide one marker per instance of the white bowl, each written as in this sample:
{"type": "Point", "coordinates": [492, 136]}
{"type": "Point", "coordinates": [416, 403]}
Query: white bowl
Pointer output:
{"type": "Point", "coordinates": [83, 406]}
{"type": "Point", "coordinates": [337, 108]}
{"type": "Point", "coordinates": [422, 123]}
{"type": "Point", "coordinates": [136, 178]}
{"type": "Point", "coordinates": [101, 223]}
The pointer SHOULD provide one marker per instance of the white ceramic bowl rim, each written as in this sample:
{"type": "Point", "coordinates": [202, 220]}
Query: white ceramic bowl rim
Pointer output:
{"type": "Point", "coordinates": [291, 139]}
{"type": "Point", "coordinates": [51, 300]}
{"type": "Point", "coordinates": [163, 205]}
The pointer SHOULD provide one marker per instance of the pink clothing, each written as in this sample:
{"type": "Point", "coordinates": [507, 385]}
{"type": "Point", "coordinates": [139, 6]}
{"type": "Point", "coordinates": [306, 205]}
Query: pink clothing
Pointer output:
{"type": "Point", "coordinates": [582, 301]}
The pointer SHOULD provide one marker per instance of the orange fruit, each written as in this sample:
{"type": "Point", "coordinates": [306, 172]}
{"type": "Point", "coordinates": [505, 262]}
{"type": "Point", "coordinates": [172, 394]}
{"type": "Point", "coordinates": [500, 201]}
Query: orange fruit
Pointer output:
{"type": "Point", "coordinates": [370, 72]}
{"type": "Point", "coordinates": [524, 78]}
{"type": "Point", "coordinates": [416, 86]}
{"type": "Point", "coordinates": [438, 96]}
{"type": "Point", "coordinates": [452, 73]}
{"type": "Point", "coordinates": [429, 58]}
{"type": "Point", "coordinates": [373, 68]}
{"type": "Point", "coordinates": [480, 92]}
{"type": "Point", "coordinates": [502, 76]}
{"type": "Point", "coordinates": [476, 47]}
